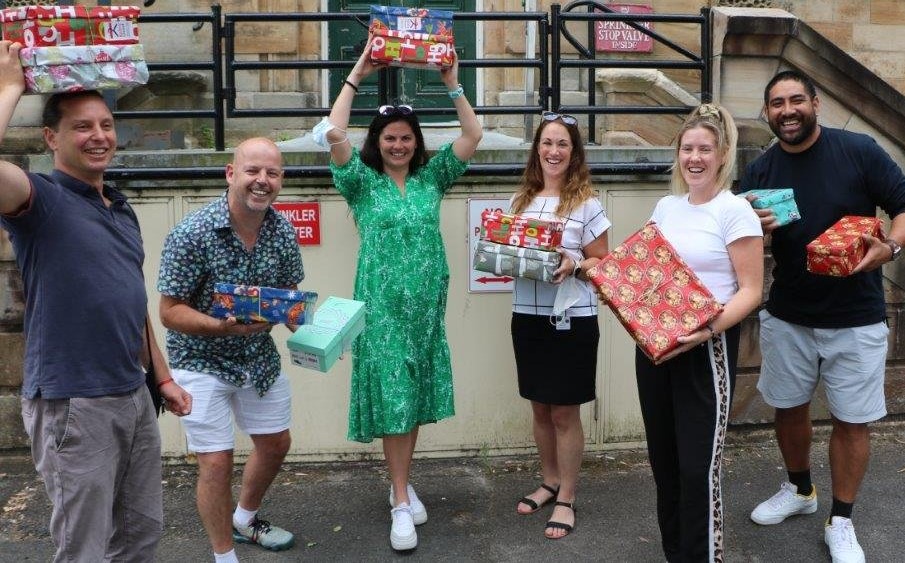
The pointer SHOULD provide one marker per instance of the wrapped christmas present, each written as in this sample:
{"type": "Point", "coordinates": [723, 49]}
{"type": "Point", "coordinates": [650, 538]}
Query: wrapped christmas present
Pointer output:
{"type": "Point", "coordinates": [84, 67]}
{"type": "Point", "coordinates": [57, 26]}
{"type": "Point", "coordinates": [652, 292]}
{"type": "Point", "coordinates": [412, 37]}
{"type": "Point", "coordinates": [781, 201]}
{"type": "Point", "coordinates": [515, 230]}
{"type": "Point", "coordinates": [840, 248]}
{"type": "Point", "coordinates": [516, 261]}
{"type": "Point", "coordinates": [252, 303]}
{"type": "Point", "coordinates": [335, 325]}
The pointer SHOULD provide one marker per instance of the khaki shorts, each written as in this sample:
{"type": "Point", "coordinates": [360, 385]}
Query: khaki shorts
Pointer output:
{"type": "Point", "coordinates": [850, 361]}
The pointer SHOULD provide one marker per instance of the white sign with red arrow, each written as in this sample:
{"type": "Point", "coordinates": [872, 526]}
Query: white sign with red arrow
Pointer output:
{"type": "Point", "coordinates": [483, 282]}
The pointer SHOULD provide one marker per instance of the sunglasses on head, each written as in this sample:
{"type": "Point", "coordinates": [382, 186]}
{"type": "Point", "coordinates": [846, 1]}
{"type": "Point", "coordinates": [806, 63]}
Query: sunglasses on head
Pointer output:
{"type": "Point", "coordinates": [389, 110]}
{"type": "Point", "coordinates": [564, 117]}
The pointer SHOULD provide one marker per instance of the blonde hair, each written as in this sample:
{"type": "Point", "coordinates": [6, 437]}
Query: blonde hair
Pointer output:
{"type": "Point", "coordinates": [577, 188]}
{"type": "Point", "coordinates": [718, 121]}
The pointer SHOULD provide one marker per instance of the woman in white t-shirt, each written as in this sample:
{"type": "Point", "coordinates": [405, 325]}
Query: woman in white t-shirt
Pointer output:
{"type": "Point", "coordinates": [685, 397]}
{"type": "Point", "coordinates": [556, 357]}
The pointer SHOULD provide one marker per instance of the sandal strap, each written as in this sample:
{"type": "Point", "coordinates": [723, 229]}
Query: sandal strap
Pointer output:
{"type": "Point", "coordinates": [529, 502]}
{"type": "Point", "coordinates": [550, 489]}
{"type": "Point", "coordinates": [570, 505]}
{"type": "Point", "coordinates": [559, 526]}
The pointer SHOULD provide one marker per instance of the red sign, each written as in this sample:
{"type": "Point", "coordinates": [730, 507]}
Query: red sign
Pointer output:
{"type": "Point", "coordinates": [617, 36]}
{"type": "Point", "coordinates": [305, 217]}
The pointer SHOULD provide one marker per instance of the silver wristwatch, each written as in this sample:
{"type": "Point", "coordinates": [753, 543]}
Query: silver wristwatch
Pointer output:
{"type": "Point", "coordinates": [895, 247]}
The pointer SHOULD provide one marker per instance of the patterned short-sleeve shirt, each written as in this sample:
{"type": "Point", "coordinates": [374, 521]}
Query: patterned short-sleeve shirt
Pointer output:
{"type": "Point", "coordinates": [203, 250]}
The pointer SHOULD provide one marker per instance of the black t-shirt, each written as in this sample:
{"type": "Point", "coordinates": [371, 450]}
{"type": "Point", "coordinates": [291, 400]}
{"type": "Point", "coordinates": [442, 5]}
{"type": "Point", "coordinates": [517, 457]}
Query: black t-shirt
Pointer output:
{"type": "Point", "coordinates": [843, 173]}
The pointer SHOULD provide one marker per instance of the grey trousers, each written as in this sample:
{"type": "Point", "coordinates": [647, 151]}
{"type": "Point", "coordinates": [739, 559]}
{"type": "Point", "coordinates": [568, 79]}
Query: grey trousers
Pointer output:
{"type": "Point", "coordinates": [100, 461]}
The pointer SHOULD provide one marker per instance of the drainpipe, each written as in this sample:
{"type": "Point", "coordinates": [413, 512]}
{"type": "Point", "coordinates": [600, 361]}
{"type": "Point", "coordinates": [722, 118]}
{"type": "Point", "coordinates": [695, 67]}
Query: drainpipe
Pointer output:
{"type": "Point", "coordinates": [530, 47]}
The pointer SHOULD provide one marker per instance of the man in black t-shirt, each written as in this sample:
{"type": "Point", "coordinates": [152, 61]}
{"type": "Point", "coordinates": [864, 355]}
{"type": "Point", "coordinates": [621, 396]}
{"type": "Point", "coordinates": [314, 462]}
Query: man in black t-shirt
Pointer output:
{"type": "Point", "coordinates": [822, 327]}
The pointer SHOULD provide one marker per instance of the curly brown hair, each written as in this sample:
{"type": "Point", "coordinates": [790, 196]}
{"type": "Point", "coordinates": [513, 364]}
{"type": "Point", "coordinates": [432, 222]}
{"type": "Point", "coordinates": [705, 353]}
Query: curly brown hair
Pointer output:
{"type": "Point", "coordinates": [577, 188]}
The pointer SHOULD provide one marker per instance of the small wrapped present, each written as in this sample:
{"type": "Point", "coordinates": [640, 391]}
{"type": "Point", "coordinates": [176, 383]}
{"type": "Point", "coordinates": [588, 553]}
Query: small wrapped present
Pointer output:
{"type": "Point", "coordinates": [652, 292]}
{"type": "Point", "coordinates": [83, 67]}
{"type": "Point", "coordinates": [252, 303]}
{"type": "Point", "coordinates": [412, 37]}
{"type": "Point", "coordinates": [840, 248]}
{"type": "Point", "coordinates": [516, 261]}
{"type": "Point", "coordinates": [780, 201]}
{"type": "Point", "coordinates": [58, 26]}
{"type": "Point", "coordinates": [515, 230]}
{"type": "Point", "coordinates": [335, 325]}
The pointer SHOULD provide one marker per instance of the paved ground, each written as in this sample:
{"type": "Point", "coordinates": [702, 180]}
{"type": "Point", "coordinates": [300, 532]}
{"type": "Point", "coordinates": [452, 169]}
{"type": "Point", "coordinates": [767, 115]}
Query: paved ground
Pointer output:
{"type": "Point", "coordinates": [339, 512]}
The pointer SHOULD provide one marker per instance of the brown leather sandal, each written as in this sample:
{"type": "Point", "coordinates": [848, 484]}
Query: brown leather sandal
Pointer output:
{"type": "Point", "coordinates": [533, 505]}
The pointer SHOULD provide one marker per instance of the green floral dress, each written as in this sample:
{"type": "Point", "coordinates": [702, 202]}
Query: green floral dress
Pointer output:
{"type": "Point", "coordinates": [401, 375]}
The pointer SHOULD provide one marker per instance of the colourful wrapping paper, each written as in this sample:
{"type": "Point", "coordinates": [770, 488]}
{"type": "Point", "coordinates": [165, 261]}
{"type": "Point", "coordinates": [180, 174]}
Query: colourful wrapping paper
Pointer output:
{"type": "Point", "coordinates": [58, 26]}
{"type": "Point", "coordinates": [780, 201]}
{"type": "Point", "coordinates": [335, 325]}
{"type": "Point", "coordinates": [652, 292]}
{"type": "Point", "coordinates": [85, 67]}
{"type": "Point", "coordinates": [515, 230]}
{"type": "Point", "coordinates": [515, 261]}
{"type": "Point", "coordinates": [840, 248]}
{"type": "Point", "coordinates": [252, 303]}
{"type": "Point", "coordinates": [412, 37]}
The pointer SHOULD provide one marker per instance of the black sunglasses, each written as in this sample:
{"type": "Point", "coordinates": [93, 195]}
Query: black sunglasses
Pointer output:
{"type": "Point", "coordinates": [389, 110]}
{"type": "Point", "coordinates": [564, 117]}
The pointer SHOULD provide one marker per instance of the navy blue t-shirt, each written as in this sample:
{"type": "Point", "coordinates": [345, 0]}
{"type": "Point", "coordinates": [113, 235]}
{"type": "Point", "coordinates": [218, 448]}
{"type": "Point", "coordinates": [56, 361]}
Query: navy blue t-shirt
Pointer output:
{"type": "Point", "coordinates": [85, 300]}
{"type": "Point", "coordinates": [843, 173]}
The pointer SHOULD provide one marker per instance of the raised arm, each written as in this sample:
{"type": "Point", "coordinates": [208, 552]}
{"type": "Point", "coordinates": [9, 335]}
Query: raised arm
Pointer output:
{"type": "Point", "coordinates": [340, 147]}
{"type": "Point", "coordinates": [467, 143]}
{"type": "Point", "coordinates": [14, 185]}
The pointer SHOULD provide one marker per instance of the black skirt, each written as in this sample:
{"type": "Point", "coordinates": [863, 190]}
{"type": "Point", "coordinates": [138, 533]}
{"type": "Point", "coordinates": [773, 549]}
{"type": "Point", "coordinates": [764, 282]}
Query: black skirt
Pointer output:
{"type": "Point", "coordinates": [555, 367]}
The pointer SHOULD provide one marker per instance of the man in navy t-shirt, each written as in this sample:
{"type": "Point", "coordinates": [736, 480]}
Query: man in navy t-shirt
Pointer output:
{"type": "Point", "coordinates": [818, 327]}
{"type": "Point", "coordinates": [85, 405]}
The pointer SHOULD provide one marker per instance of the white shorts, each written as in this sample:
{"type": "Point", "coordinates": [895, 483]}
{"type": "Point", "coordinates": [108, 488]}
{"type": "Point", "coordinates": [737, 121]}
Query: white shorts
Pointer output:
{"type": "Point", "coordinates": [209, 428]}
{"type": "Point", "coordinates": [851, 362]}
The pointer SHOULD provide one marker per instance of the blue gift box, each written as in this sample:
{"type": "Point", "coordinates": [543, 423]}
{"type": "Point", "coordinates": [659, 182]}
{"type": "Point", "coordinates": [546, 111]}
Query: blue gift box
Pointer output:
{"type": "Point", "coordinates": [335, 325]}
{"type": "Point", "coordinates": [252, 303]}
{"type": "Point", "coordinates": [781, 201]}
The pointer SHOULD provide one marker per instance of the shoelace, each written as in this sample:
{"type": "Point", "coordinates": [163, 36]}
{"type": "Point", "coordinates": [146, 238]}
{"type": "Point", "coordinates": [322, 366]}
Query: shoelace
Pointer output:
{"type": "Point", "coordinates": [259, 528]}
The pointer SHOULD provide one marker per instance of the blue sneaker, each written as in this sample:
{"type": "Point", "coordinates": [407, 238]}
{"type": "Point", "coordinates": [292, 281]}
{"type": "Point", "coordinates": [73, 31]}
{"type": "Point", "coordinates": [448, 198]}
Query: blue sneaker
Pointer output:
{"type": "Point", "coordinates": [263, 533]}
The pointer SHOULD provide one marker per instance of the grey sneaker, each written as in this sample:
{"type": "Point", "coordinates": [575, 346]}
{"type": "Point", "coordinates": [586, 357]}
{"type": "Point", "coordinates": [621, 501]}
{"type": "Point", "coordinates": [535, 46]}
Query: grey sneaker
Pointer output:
{"type": "Point", "coordinates": [787, 502]}
{"type": "Point", "coordinates": [402, 533]}
{"type": "Point", "coordinates": [419, 512]}
{"type": "Point", "coordinates": [265, 534]}
{"type": "Point", "coordinates": [839, 535]}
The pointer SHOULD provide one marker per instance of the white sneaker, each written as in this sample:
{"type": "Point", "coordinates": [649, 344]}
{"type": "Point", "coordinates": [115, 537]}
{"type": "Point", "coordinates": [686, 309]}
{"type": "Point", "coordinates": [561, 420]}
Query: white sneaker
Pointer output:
{"type": "Point", "coordinates": [787, 502]}
{"type": "Point", "coordinates": [418, 509]}
{"type": "Point", "coordinates": [402, 533]}
{"type": "Point", "coordinates": [839, 535]}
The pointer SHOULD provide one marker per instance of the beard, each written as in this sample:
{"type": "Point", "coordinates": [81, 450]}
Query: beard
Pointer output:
{"type": "Point", "coordinates": [805, 130]}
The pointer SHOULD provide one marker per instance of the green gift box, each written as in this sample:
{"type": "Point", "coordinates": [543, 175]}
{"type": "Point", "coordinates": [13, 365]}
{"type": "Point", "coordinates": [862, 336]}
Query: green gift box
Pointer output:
{"type": "Point", "coordinates": [516, 261]}
{"type": "Point", "coordinates": [780, 200]}
{"type": "Point", "coordinates": [335, 325]}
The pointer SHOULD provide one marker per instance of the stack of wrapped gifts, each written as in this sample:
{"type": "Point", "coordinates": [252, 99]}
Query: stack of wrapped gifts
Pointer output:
{"type": "Point", "coordinates": [840, 248]}
{"type": "Point", "coordinates": [652, 292]}
{"type": "Point", "coordinates": [71, 48]}
{"type": "Point", "coordinates": [512, 245]}
{"type": "Point", "coordinates": [412, 37]}
{"type": "Point", "coordinates": [252, 303]}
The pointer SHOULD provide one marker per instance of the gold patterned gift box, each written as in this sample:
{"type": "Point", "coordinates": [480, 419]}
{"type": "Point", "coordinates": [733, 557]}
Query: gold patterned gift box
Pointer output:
{"type": "Point", "coordinates": [652, 292]}
{"type": "Point", "coordinates": [838, 250]}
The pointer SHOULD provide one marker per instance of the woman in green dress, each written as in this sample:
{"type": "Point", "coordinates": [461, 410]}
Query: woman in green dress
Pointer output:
{"type": "Point", "coordinates": [401, 377]}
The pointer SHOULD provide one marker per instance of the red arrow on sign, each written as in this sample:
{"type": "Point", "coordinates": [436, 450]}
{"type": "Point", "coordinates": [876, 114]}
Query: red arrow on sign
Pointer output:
{"type": "Point", "coordinates": [504, 279]}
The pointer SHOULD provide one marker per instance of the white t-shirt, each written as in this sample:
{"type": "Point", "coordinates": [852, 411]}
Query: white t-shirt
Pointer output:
{"type": "Point", "coordinates": [584, 225]}
{"type": "Point", "coordinates": [701, 233]}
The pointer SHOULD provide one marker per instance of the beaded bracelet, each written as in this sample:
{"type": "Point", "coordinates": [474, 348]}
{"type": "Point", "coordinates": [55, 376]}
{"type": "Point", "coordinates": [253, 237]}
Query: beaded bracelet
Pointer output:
{"type": "Point", "coordinates": [453, 94]}
{"type": "Point", "coordinates": [354, 87]}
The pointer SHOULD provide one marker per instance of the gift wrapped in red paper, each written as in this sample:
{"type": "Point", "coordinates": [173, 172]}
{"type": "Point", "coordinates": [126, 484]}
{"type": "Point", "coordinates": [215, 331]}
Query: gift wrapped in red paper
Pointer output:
{"type": "Point", "coordinates": [68, 26]}
{"type": "Point", "coordinates": [413, 37]}
{"type": "Point", "coordinates": [652, 292]}
{"type": "Point", "coordinates": [840, 248]}
{"type": "Point", "coordinates": [515, 230]}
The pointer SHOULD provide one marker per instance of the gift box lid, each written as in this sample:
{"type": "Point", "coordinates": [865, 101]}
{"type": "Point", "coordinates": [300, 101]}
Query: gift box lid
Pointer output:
{"type": "Point", "coordinates": [411, 20]}
{"type": "Point", "coordinates": [23, 13]}
{"type": "Point", "coordinates": [768, 197]}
